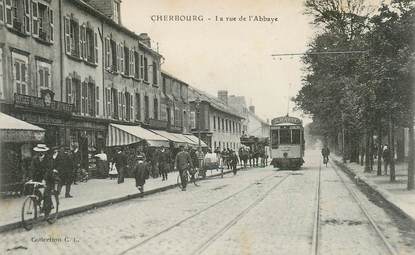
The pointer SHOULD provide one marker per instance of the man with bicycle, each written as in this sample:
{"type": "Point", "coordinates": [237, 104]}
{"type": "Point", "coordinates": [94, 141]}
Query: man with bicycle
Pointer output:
{"type": "Point", "coordinates": [183, 163]}
{"type": "Point", "coordinates": [325, 152]}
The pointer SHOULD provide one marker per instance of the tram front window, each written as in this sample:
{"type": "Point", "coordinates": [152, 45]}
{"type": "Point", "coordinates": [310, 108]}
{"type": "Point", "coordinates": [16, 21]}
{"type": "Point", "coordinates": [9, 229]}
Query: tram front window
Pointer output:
{"type": "Point", "coordinates": [285, 136]}
{"type": "Point", "coordinates": [296, 136]}
{"type": "Point", "coordinates": [274, 139]}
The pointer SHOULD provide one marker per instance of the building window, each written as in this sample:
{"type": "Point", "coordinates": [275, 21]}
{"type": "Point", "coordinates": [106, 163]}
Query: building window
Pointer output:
{"type": "Point", "coordinates": [132, 62]}
{"type": "Point", "coordinates": [164, 85]}
{"type": "Point", "coordinates": [136, 65]}
{"type": "Point", "coordinates": [138, 107]}
{"type": "Point", "coordinates": [114, 103]}
{"type": "Point", "coordinates": [69, 98]}
{"type": "Point", "coordinates": [43, 71]}
{"type": "Point", "coordinates": [117, 17]}
{"type": "Point", "coordinates": [72, 40]}
{"type": "Point", "coordinates": [107, 49]}
{"type": "Point", "coordinates": [76, 92]}
{"type": "Point", "coordinates": [91, 99]}
{"type": "Point", "coordinates": [142, 66]}
{"type": "Point", "coordinates": [82, 42]}
{"type": "Point", "coordinates": [84, 98]}
{"type": "Point", "coordinates": [155, 73]}
{"type": "Point", "coordinates": [145, 69]}
{"type": "Point", "coordinates": [1, 74]}
{"type": "Point", "coordinates": [97, 100]}
{"type": "Point", "coordinates": [114, 60]}
{"type": "Point", "coordinates": [109, 103]}
{"type": "Point", "coordinates": [193, 119]}
{"type": "Point", "coordinates": [20, 66]}
{"type": "Point", "coordinates": [156, 109]}
{"type": "Point", "coordinates": [26, 17]}
{"type": "Point", "coordinates": [214, 122]}
{"type": "Point", "coordinates": [1, 11]}
{"type": "Point", "coordinates": [146, 109]}
{"type": "Point", "coordinates": [17, 14]}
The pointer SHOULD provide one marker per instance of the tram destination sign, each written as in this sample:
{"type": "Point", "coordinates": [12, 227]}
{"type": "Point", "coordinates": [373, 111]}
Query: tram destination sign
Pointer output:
{"type": "Point", "coordinates": [286, 119]}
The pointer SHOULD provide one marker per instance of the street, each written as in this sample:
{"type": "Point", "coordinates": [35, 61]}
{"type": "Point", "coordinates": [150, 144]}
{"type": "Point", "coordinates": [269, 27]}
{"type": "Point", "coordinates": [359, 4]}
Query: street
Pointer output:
{"type": "Point", "coordinates": [258, 211]}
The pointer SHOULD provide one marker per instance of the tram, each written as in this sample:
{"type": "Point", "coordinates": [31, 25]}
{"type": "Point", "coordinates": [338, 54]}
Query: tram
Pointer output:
{"type": "Point", "coordinates": [287, 142]}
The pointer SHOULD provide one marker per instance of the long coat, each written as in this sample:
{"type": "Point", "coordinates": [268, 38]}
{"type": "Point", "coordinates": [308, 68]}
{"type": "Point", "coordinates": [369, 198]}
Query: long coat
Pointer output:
{"type": "Point", "coordinates": [39, 168]}
{"type": "Point", "coordinates": [141, 172]}
{"type": "Point", "coordinates": [63, 164]}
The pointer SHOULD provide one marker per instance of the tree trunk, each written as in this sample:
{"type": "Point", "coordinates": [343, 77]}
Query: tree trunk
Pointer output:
{"type": "Point", "coordinates": [411, 157]}
{"type": "Point", "coordinates": [367, 151]}
{"type": "Point", "coordinates": [392, 150]}
{"type": "Point", "coordinates": [362, 153]}
{"type": "Point", "coordinates": [379, 172]}
{"type": "Point", "coordinates": [371, 150]}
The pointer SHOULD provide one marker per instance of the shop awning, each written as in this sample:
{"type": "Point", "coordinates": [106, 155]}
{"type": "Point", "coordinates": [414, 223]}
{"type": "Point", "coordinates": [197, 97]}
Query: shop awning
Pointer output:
{"type": "Point", "coordinates": [119, 135]}
{"type": "Point", "coordinates": [15, 130]}
{"type": "Point", "coordinates": [196, 140]}
{"type": "Point", "coordinates": [170, 136]}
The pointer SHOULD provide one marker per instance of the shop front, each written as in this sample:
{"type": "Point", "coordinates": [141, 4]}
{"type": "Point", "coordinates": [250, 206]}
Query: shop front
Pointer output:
{"type": "Point", "coordinates": [17, 139]}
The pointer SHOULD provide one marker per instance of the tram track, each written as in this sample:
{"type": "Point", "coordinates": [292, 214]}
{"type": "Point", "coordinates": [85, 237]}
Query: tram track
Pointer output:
{"type": "Point", "coordinates": [316, 226]}
{"type": "Point", "coordinates": [227, 226]}
{"type": "Point", "coordinates": [356, 197]}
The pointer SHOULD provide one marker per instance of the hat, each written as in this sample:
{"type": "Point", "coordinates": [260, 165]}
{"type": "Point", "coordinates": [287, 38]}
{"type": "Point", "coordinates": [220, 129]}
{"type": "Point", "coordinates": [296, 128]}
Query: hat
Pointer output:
{"type": "Point", "coordinates": [41, 148]}
{"type": "Point", "coordinates": [56, 148]}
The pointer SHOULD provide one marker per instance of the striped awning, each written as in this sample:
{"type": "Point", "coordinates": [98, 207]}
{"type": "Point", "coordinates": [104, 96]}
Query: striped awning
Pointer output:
{"type": "Point", "coordinates": [196, 140]}
{"type": "Point", "coordinates": [171, 136]}
{"type": "Point", "coordinates": [119, 135]}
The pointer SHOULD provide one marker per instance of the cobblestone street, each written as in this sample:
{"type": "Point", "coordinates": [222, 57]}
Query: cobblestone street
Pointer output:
{"type": "Point", "coordinates": [258, 211]}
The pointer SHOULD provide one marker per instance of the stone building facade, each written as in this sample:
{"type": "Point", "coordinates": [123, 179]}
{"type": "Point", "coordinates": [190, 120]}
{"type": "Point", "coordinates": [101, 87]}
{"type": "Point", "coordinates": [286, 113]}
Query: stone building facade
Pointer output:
{"type": "Point", "coordinates": [219, 125]}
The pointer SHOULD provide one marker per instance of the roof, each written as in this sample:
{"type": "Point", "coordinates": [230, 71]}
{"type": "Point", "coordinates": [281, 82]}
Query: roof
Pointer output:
{"type": "Point", "coordinates": [258, 118]}
{"type": "Point", "coordinates": [92, 10]}
{"type": "Point", "coordinates": [164, 72]}
{"type": "Point", "coordinates": [213, 101]}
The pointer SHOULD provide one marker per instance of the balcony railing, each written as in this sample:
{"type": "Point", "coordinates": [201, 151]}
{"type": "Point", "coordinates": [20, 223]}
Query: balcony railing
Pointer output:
{"type": "Point", "coordinates": [40, 103]}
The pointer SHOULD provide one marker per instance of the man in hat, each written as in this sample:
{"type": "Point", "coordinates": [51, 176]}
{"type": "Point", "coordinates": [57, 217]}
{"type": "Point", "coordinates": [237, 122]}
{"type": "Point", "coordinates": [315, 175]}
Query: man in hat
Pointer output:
{"type": "Point", "coordinates": [141, 172]}
{"type": "Point", "coordinates": [164, 163]}
{"type": "Point", "coordinates": [120, 160]}
{"type": "Point", "coordinates": [76, 160]}
{"type": "Point", "coordinates": [40, 163]}
{"type": "Point", "coordinates": [183, 163]}
{"type": "Point", "coordinates": [61, 162]}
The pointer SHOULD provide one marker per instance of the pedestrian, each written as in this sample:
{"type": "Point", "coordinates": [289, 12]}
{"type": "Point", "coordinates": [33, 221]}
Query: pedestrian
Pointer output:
{"type": "Point", "coordinates": [164, 163]}
{"type": "Point", "coordinates": [234, 162]}
{"type": "Point", "coordinates": [386, 155]}
{"type": "Point", "coordinates": [183, 163]}
{"type": "Point", "coordinates": [141, 172]}
{"type": "Point", "coordinates": [120, 161]}
{"type": "Point", "coordinates": [325, 152]}
{"type": "Point", "coordinates": [76, 157]}
{"type": "Point", "coordinates": [40, 163]}
{"type": "Point", "coordinates": [61, 162]}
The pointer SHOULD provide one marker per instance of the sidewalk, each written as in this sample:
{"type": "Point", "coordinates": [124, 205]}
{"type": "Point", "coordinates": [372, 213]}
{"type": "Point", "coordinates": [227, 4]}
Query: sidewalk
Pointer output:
{"type": "Point", "coordinates": [86, 196]}
{"type": "Point", "coordinates": [395, 193]}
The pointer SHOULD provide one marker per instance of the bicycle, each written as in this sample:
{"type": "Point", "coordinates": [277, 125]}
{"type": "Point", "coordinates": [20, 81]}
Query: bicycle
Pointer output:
{"type": "Point", "coordinates": [193, 178]}
{"type": "Point", "coordinates": [32, 202]}
{"type": "Point", "coordinates": [325, 160]}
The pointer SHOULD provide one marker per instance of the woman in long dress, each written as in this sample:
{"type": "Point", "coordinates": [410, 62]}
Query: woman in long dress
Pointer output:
{"type": "Point", "coordinates": [141, 173]}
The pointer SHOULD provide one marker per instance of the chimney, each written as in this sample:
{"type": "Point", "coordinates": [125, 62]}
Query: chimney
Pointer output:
{"type": "Point", "coordinates": [223, 96]}
{"type": "Point", "coordinates": [252, 109]}
{"type": "Point", "coordinates": [145, 39]}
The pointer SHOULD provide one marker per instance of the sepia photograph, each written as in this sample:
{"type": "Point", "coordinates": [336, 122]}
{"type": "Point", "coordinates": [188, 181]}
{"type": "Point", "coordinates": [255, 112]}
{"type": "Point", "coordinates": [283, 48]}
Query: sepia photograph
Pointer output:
{"type": "Point", "coordinates": [184, 127]}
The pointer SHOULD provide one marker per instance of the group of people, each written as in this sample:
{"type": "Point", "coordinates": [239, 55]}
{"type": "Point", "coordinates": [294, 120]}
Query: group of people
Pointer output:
{"type": "Point", "coordinates": [255, 156]}
{"type": "Point", "coordinates": [62, 160]}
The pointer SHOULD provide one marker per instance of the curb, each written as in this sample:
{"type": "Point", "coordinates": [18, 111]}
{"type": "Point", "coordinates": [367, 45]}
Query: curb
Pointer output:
{"type": "Point", "coordinates": [93, 206]}
{"type": "Point", "coordinates": [386, 196]}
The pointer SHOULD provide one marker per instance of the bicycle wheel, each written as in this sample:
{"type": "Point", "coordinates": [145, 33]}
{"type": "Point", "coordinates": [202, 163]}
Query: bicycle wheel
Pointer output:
{"type": "Point", "coordinates": [29, 212]}
{"type": "Point", "coordinates": [53, 215]}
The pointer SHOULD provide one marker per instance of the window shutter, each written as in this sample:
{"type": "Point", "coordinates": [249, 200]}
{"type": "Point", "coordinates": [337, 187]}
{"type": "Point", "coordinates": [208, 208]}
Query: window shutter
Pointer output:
{"type": "Point", "coordinates": [131, 107]}
{"type": "Point", "coordinates": [97, 101]}
{"type": "Point", "coordinates": [69, 90]}
{"type": "Point", "coordinates": [51, 26]}
{"type": "Point", "coordinates": [9, 17]}
{"type": "Point", "coordinates": [1, 11]}
{"type": "Point", "coordinates": [82, 42]}
{"type": "Point", "coordinates": [41, 78]}
{"type": "Point", "coordinates": [119, 105]}
{"type": "Point", "coordinates": [35, 21]}
{"type": "Point", "coordinates": [27, 5]}
{"type": "Point", "coordinates": [67, 35]}
{"type": "Point", "coordinates": [96, 47]}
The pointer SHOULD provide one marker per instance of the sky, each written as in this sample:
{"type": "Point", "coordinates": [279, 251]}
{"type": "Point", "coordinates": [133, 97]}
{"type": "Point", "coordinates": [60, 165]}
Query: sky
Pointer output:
{"type": "Point", "coordinates": [230, 55]}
